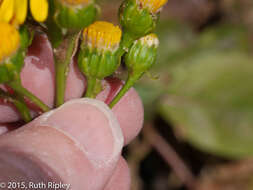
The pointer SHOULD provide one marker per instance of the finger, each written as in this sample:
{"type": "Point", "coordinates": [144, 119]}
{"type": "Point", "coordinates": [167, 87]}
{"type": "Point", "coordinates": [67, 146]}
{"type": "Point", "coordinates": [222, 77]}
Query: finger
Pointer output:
{"type": "Point", "coordinates": [37, 75]}
{"type": "Point", "coordinates": [78, 144]}
{"type": "Point", "coordinates": [129, 110]}
{"type": "Point", "coordinates": [3, 129]}
{"type": "Point", "coordinates": [6, 127]}
{"type": "Point", "coordinates": [121, 178]}
{"type": "Point", "coordinates": [75, 83]}
{"type": "Point", "coordinates": [8, 113]}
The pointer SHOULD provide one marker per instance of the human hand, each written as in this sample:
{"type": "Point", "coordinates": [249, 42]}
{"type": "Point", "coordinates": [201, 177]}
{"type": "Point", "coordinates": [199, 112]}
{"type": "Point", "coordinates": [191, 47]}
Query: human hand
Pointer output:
{"type": "Point", "coordinates": [79, 143]}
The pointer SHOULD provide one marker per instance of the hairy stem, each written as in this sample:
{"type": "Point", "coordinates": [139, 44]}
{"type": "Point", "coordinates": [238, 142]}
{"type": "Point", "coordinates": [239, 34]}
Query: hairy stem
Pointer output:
{"type": "Point", "coordinates": [63, 57]}
{"type": "Point", "coordinates": [93, 87]}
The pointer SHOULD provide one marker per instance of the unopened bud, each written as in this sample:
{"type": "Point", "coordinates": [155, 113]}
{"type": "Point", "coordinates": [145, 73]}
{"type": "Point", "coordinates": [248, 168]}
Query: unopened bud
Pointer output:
{"type": "Point", "coordinates": [75, 14]}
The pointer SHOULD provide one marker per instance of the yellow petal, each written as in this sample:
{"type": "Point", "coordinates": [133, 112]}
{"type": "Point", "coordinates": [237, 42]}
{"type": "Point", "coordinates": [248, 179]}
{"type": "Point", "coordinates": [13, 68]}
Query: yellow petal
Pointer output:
{"type": "Point", "coordinates": [102, 35]}
{"type": "Point", "coordinates": [39, 9]}
{"type": "Point", "coordinates": [20, 10]}
{"type": "Point", "coordinates": [6, 10]}
{"type": "Point", "coordinates": [9, 41]}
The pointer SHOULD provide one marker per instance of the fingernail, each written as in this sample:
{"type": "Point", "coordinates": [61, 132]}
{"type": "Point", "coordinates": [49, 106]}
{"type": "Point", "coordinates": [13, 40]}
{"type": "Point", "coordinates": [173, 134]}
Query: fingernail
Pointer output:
{"type": "Point", "coordinates": [91, 124]}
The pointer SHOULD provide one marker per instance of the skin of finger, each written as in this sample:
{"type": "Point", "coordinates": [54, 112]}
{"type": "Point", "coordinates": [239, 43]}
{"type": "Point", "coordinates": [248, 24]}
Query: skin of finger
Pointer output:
{"type": "Point", "coordinates": [121, 178]}
{"type": "Point", "coordinates": [75, 83]}
{"type": "Point", "coordinates": [61, 151]}
{"type": "Point", "coordinates": [6, 127]}
{"type": "Point", "coordinates": [129, 110]}
{"type": "Point", "coordinates": [37, 75]}
{"type": "Point", "coordinates": [3, 129]}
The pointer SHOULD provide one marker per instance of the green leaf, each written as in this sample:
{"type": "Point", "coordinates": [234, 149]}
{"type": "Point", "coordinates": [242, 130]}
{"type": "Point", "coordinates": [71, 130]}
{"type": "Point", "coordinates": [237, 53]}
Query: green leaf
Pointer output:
{"type": "Point", "coordinates": [210, 100]}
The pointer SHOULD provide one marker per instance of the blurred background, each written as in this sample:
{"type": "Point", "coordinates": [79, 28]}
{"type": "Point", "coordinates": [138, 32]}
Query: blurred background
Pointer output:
{"type": "Point", "coordinates": [198, 130]}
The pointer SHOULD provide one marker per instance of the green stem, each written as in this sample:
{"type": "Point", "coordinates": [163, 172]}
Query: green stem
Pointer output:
{"type": "Point", "coordinates": [93, 88]}
{"type": "Point", "coordinates": [19, 104]}
{"type": "Point", "coordinates": [20, 90]}
{"type": "Point", "coordinates": [60, 79]}
{"type": "Point", "coordinates": [129, 83]}
{"type": "Point", "coordinates": [62, 67]}
{"type": "Point", "coordinates": [23, 110]}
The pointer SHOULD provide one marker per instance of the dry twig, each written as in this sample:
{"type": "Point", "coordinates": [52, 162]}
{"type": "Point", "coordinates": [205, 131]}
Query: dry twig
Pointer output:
{"type": "Point", "coordinates": [169, 155]}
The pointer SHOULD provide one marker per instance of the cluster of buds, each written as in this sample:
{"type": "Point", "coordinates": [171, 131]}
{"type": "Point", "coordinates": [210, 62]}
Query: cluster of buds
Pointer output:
{"type": "Point", "coordinates": [138, 18]}
{"type": "Point", "coordinates": [101, 49]}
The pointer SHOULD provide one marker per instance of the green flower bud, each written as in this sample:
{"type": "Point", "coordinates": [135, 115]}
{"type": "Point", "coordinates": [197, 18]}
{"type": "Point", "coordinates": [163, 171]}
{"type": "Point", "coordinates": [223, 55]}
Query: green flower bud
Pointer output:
{"type": "Point", "coordinates": [140, 58]}
{"type": "Point", "coordinates": [75, 14]}
{"type": "Point", "coordinates": [136, 21]}
{"type": "Point", "coordinates": [138, 18]}
{"type": "Point", "coordinates": [98, 57]}
{"type": "Point", "coordinates": [142, 54]}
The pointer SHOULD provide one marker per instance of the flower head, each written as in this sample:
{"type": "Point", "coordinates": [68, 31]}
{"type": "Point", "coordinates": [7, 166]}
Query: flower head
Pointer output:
{"type": "Point", "coordinates": [153, 5]}
{"type": "Point", "coordinates": [102, 35]}
{"type": "Point", "coordinates": [15, 11]}
{"type": "Point", "coordinates": [9, 41]}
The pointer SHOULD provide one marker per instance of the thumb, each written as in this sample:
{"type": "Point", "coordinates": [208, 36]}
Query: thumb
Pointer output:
{"type": "Point", "coordinates": [78, 144]}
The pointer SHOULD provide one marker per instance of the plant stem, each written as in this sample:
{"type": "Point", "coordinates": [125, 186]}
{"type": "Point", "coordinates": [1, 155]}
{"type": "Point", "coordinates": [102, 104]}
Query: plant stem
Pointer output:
{"type": "Point", "coordinates": [20, 90]}
{"type": "Point", "coordinates": [23, 110]}
{"type": "Point", "coordinates": [60, 79]}
{"type": "Point", "coordinates": [93, 88]}
{"type": "Point", "coordinates": [129, 83]}
{"type": "Point", "coordinates": [63, 58]}
{"type": "Point", "coordinates": [19, 104]}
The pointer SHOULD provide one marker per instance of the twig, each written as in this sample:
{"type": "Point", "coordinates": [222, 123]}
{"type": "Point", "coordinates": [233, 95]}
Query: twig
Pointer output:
{"type": "Point", "coordinates": [169, 155]}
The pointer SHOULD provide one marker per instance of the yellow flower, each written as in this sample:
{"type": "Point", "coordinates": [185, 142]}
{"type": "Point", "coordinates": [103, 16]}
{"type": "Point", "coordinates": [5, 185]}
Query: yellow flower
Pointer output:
{"type": "Point", "coordinates": [9, 40]}
{"type": "Point", "coordinates": [102, 35]}
{"type": "Point", "coordinates": [15, 11]}
{"type": "Point", "coordinates": [153, 5]}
